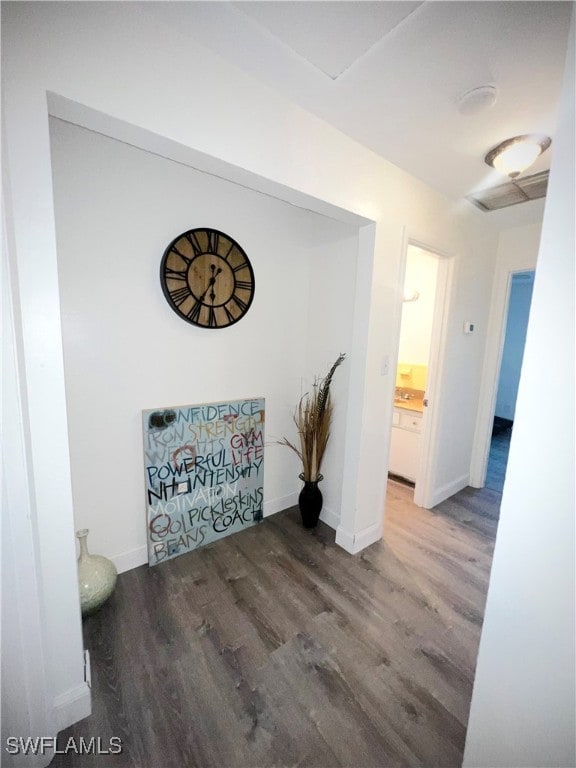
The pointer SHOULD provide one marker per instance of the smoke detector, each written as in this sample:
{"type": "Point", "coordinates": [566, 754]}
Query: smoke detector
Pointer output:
{"type": "Point", "coordinates": [477, 100]}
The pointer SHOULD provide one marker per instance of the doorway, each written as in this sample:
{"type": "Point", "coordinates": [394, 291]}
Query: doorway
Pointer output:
{"type": "Point", "coordinates": [508, 377]}
{"type": "Point", "coordinates": [421, 330]}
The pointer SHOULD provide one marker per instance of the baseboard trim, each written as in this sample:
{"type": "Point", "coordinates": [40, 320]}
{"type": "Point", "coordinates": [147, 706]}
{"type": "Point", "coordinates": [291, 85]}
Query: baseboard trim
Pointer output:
{"type": "Point", "coordinates": [356, 542]}
{"type": "Point", "coordinates": [71, 706]}
{"type": "Point", "coordinates": [330, 517]}
{"type": "Point", "coordinates": [281, 503]}
{"type": "Point", "coordinates": [126, 561]}
{"type": "Point", "coordinates": [449, 489]}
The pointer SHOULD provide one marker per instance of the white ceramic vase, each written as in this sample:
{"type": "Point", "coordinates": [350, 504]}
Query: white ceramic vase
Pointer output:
{"type": "Point", "coordinates": [96, 576]}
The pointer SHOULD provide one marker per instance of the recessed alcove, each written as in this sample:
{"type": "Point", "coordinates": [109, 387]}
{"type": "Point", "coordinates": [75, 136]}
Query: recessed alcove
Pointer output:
{"type": "Point", "coordinates": [117, 206]}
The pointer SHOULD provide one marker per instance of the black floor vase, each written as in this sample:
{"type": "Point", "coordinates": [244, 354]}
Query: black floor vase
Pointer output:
{"type": "Point", "coordinates": [310, 502]}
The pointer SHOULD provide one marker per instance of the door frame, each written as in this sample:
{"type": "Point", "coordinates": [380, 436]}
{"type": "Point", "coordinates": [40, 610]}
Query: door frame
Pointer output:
{"type": "Point", "coordinates": [506, 268]}
{"type": "Point", "coordinates": [424, 486]}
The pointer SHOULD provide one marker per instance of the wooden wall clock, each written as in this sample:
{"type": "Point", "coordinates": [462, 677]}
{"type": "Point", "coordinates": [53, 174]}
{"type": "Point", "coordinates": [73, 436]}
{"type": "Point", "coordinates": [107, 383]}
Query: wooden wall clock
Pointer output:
{"type": "Point", "coordinates": [207, 278]}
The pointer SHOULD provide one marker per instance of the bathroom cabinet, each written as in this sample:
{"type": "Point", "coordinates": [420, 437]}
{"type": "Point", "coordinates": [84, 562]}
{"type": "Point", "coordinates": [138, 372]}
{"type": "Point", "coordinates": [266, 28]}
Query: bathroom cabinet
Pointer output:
{"type": "Point", "coordinates": [405, 443]}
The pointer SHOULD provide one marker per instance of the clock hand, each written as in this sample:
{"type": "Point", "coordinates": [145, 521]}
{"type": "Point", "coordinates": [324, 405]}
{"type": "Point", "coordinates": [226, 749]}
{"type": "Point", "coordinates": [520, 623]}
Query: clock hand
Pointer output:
{"type": "Point", "coordinates": [211, 283]}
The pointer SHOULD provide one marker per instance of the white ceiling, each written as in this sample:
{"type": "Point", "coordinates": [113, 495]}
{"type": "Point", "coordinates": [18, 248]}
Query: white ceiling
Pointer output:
{"type": "Point", "coordinates": [333, 40]}
{"type": "Point", "coordinates": [389, 73]}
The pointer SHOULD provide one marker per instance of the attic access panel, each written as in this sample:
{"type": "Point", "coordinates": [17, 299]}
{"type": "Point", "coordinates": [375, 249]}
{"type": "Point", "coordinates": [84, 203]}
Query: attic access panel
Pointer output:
{"type": "Point", "coordinates": [512, 193]}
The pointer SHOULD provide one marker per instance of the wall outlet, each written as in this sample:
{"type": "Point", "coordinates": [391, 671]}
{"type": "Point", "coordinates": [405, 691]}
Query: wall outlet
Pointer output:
{"type": "Point", "coordinates": [468, 326]}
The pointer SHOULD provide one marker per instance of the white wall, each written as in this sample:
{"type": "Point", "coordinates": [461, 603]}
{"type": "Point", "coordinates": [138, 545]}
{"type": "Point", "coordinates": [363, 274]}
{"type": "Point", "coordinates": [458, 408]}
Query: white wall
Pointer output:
{"type": "Point", "coordinates": [118, 67]}
{"type": "Point", "coordinates": [516, 326]}
{"type": "Point", "coordinates": [117, 208]}
{"type": "Point", "coordinates": [333, 260]}
{"type": "Point", "coordinates": [24, 669]}
{"type": "Point", "coordinates": [523, 703]}
{"type": "Point", "coordinates": [417, 316]}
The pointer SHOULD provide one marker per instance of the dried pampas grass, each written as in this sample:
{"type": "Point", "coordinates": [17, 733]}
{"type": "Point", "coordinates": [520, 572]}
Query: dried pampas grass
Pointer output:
{"type": "Point", "coordinates": [313, 417]}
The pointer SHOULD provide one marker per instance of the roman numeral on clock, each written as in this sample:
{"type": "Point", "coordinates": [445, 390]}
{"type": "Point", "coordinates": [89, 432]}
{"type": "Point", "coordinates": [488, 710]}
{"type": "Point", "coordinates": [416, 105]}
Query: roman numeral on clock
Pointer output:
{"type": "Point", "coordinates": [228, 252]}
{"type": "Point", "coordinates": [181, 255]}
{"type": "Point", "coordinates": [180, 295]}
{"type": "Point", "coordinates": [194, 313]}
{"type": "Point", "coordinates": [191, 237]}
{"type": "Point", "coordinates": [239, 303]}
{"type": "Point", "coordinates": [175, 274]}
{"type": "Point", "coordinates": [213, 241]}
{"type": "Point", "coordinates": [245, 284]}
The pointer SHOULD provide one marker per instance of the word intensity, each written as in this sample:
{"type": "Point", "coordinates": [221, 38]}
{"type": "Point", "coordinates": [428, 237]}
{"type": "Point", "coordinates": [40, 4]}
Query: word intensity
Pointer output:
{"type": "Point", "coordinates": [204, 469]}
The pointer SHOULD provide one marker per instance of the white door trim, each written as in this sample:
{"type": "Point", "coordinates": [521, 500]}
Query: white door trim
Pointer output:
{"type": "Point", "coordinates": [25, 691]}
{"type": "Point", "coordinates": [424, 491]}
{"type": "Point", "coordinates": [506, 267]}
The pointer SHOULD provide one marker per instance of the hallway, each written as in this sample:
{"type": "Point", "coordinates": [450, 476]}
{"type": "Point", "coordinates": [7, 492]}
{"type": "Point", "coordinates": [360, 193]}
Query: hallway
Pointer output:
{"type": "Point", "coordinates": [498, 460]}
{"type": "Point", "coordinates": [275, 647]}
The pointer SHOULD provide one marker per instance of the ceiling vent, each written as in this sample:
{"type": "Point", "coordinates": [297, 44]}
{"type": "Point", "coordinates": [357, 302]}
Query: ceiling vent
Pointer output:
{"type": "Point", "coordinates": [513, 192]}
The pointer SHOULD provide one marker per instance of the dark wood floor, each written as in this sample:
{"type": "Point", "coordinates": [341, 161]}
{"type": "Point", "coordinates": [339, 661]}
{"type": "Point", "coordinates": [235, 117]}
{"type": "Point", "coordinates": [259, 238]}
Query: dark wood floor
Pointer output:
{"type": "Point", "coordinates": [274, 647]}
{"type": "Point", "coordinates": [498, 460]}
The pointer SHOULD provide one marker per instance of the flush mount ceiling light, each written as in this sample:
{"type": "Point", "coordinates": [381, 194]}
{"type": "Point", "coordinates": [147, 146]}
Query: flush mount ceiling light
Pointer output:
{"type": "Point", "coordinates": [513, 156]}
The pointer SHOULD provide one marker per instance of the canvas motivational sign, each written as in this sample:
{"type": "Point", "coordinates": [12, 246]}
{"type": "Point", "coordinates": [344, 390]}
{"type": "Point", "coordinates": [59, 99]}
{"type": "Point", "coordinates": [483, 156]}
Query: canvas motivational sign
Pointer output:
{"type": "Point", "coordinates": [204, 470]}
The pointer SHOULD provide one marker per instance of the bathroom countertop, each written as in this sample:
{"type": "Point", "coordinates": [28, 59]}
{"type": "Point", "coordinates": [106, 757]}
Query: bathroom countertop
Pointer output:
{"type": "Point", "coordinates": [416, 404]}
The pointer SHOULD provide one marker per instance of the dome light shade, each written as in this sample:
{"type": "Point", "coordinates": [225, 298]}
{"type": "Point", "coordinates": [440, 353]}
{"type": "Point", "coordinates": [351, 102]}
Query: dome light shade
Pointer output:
{"type": "Point", "coordinates": [513, 156]}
